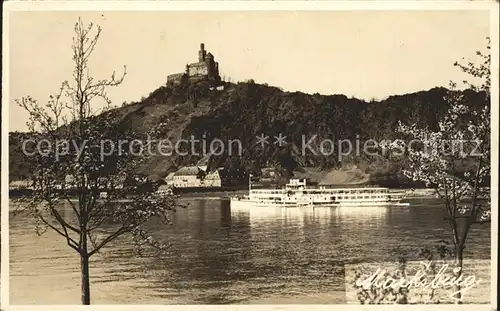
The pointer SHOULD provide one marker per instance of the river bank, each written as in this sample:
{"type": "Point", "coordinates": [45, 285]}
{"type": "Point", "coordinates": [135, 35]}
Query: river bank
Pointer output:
{"type": "Point", "coordinates": [415, 193]}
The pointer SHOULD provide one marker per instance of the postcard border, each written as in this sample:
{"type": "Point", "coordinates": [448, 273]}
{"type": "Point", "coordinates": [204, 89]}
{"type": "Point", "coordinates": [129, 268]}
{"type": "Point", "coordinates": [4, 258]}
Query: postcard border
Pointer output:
{"type": "Point", "coordinates": [13, 6]}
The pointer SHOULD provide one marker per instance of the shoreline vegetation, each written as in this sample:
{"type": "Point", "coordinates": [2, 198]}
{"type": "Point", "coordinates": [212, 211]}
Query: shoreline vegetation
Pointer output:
{"type": "Point", "coordinates": [414, 193]}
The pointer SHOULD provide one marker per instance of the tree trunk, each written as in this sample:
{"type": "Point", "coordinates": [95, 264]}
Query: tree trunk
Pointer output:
{"type": "Point", "coordinates": [84, 266]}
{"type": "Point", "coordinates": [459, 258]}
{"type": "Point", "coordinates": [84, 263]}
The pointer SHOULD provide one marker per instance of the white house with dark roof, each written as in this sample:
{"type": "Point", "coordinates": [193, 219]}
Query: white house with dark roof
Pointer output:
{"type": "Point", "coordinates": [194, 176]}
{"type": "Point", "coordinates": [189, 176]}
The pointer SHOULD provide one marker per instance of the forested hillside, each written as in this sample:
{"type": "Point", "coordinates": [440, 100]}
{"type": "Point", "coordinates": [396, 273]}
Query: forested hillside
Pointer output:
{"type": "Point", "coordinates": [245, 110]}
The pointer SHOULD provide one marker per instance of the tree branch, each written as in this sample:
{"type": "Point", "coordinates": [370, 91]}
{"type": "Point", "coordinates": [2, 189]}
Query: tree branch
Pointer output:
{"type": "Point", "coordinates": [72, 243]}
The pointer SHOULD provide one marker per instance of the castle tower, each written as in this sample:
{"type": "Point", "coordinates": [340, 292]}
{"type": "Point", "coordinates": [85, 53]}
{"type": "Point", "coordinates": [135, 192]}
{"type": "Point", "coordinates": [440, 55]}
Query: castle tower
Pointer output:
{"type": "Point", "coordinates": [210, 66]}
{"type": "Point", "coordinates": [202, 53]}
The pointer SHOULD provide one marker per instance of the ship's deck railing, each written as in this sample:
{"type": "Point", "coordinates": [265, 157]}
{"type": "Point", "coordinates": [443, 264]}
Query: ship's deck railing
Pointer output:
{"type": "Point", "coordinates": [328, 190]}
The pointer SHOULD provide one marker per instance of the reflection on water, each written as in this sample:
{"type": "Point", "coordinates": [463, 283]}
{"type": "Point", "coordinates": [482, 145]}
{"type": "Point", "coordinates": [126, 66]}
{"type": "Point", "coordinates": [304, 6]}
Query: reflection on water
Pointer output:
{"type": "Point", "coordinates": [221, 255]}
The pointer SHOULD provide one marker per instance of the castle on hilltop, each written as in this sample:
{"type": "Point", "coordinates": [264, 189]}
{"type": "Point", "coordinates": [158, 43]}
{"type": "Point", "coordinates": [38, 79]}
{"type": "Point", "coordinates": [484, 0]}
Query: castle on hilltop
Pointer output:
{"type": "Point", "coordinates": [205, 69]}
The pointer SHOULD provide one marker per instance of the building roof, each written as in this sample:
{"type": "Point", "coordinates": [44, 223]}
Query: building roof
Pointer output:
{"type": "Point", "coordinates": [188, 171]}
{"type": "Point", "coordinates": [268, 169]}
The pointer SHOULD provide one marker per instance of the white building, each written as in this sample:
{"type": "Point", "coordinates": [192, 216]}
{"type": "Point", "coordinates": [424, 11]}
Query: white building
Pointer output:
{"type": "Point", "coordinates": [213, 179]}
{"type": "Point", "coordinates": [194, 176]}
{"type": "Point", "coordinates": [189, 176]}
{"type": "Point", "coordinates": [21, 184]}
{"type": "Point", "coordinates": [169, 180]}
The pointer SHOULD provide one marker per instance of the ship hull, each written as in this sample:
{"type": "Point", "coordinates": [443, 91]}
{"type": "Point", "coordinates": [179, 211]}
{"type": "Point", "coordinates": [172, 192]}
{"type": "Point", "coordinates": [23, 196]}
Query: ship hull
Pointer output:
{"type": "Point", "coordinates": [371, 203]}
{"type": "Point", "coordinates": [246, 203]}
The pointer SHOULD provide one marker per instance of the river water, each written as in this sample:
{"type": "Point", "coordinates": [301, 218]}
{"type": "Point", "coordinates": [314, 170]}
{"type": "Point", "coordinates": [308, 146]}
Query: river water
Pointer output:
{"type": "Point", "coordinates": [219, 255]}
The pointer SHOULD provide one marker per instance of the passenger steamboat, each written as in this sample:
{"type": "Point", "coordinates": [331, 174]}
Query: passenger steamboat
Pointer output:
{"type": "Point", "coordinates": [296, 194]}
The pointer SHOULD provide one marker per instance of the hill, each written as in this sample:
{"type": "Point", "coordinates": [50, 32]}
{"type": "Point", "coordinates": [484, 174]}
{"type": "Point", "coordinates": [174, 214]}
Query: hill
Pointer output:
{"type": "Point", "coordinates": [245, 110]}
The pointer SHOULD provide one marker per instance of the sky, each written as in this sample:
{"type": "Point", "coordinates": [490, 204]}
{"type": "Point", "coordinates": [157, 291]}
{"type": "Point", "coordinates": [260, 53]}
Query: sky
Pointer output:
{"type": "Point", "coordinates": [363, 54]}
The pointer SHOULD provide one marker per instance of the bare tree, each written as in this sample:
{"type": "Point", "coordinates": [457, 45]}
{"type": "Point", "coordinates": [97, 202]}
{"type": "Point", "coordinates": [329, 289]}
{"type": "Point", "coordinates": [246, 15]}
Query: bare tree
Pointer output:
{"type": "Point", "coordinates": [455, 160]}
{"type": "Point", "coordinates": [74, 148]}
